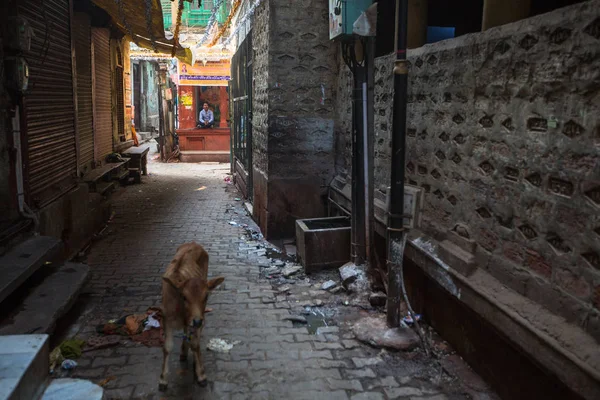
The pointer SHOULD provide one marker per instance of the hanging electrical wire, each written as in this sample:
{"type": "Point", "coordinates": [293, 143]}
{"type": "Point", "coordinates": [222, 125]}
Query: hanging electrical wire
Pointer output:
{"type": "Point", "coordinates": [124, 21]}
{"type": "Point", "coordinates": [242, 21]}
{"type": "Point", "coordinates": [211, 22]}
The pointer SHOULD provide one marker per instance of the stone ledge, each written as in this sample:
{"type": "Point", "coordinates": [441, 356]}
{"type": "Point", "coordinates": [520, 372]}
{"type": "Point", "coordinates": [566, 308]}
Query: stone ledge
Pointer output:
{"type": "Point", "coordinates": [563, 349]}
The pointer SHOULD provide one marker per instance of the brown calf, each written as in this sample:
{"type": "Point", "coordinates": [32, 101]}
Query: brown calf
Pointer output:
{"type": "Point", "coordinates": [185, 293]}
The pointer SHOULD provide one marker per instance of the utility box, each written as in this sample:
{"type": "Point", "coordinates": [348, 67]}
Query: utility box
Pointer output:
{"type": "Point", "coordinates": [343, 14]}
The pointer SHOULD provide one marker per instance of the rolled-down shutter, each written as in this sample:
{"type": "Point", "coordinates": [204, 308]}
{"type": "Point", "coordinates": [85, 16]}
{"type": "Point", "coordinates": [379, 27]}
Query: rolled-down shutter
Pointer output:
{"type": "Point", "coordinates": [49, 109]}
{"type": "Point", "coordinates": [82, 36]}
{"type": "Point", "coordinates": [102, 95]}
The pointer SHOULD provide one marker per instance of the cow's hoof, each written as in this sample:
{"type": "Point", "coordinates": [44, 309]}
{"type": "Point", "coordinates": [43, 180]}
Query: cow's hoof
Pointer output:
{"type": "Point", "coordinates": [162, 387]}
{"type": "Point", "coordinates": [203, 382]}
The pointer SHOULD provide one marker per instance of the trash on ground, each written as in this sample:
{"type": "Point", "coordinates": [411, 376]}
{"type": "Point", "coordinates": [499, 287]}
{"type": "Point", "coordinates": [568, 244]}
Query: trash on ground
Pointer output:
{"type": "Point", "coordinates": [233, 223]}
{"type": "Point", "coordinates": [329, 285]}
{"type": "Point", "coordinates": [200, 188]}
{"type": "Point", "coordinates": [105, 381]}
{"type": "Point", "coordinates": [227, 179]}
{"type": "Point", "coordinates": [409, 319]}
{"type": "Point", "coordinates": [101, 342]}
{"type": "Point", "coordinates": [151, 322]}
{"type": "Point", "coordinates": [133, 325]}
{"type": "Point", "coordinates": [237, 199]}
{"type": "Point", "coordinates": [221, 345]}
{"type": "Point", "coordinates": [56, 358]}
{"type": "Point", "coordinates": [68, 364]}
{"type": "Point", "coordinates": [71, 348]}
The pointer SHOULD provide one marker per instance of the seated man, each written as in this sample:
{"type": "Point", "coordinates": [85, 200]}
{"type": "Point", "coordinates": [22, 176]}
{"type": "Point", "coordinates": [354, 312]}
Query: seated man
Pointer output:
{"type": "Point", "coordinates": [207, 119]}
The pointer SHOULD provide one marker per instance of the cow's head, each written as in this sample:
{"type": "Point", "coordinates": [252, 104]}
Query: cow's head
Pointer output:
{"type": "Point", "coordinates": [194, 294]}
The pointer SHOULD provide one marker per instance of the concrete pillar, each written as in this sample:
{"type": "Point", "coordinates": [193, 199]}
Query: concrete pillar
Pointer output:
{"type": "Point", "coordinates": [417, 23]}
{"type": "Point", "coordinates": [223, 106]}
{"type": "Point", "coordinates": [500, 12]}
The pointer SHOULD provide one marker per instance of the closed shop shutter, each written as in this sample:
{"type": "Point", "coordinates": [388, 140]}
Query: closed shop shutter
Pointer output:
{"type": "Point", "coordinates": [103, 139]}
{"type": "Point", "coordinates": [49, 108]}
{"type": "Point", "coordinates": [83, 60]}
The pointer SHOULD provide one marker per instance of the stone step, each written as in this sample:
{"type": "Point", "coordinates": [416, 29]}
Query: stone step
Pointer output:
{"type": "Point", "coordinates": [18, 264]}
{"type": "Point", "coordinates": [47, 302]}
{"type": "Point", "coordinates": [24, 366]}
{"type": "Point", "coordinates": [72, 389]}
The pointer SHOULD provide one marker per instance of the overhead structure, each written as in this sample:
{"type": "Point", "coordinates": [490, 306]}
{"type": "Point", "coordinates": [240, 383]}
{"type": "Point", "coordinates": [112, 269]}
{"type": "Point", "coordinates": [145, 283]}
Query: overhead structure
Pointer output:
{"type": "Point", "coordinates": [142, 21]}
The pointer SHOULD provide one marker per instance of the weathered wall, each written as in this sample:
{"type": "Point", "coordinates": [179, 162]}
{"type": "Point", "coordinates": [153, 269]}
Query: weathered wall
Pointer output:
{"type": "Point", "coordinates": [260, 112]}
{"type": "Point", "coordinates": [293, 111]}
{"type": "Point", "coordinates": [504, 136]}
{"type": "Point", "coordinates": [149, 96]}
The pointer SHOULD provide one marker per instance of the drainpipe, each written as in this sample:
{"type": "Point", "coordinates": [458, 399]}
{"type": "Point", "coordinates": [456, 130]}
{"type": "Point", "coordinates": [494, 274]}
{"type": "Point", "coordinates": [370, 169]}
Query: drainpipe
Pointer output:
{"type": "Point", "coordinates": [395, 228]}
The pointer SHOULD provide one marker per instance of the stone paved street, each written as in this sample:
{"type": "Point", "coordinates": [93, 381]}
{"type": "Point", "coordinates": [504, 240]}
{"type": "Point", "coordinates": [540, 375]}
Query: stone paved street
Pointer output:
{"type": "Point", "coordinates": [274, 359]}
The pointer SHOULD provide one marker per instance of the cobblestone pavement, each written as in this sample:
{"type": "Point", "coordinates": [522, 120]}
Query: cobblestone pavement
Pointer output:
{"type": "Point", "coordinates": [274, 359]}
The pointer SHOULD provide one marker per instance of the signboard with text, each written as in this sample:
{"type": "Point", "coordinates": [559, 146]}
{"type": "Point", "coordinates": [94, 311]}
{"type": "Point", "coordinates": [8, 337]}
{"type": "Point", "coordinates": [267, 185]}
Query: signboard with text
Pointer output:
{"type": "Point", "coordinates": [213, 73]}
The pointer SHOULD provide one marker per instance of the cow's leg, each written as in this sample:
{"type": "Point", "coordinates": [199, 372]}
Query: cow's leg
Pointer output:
{"type": "Point", "coordinates": [167, 348]}
{"type": "Point", "coordinates": [184, 345]}
{"type": "Point", "coordinates": [198, 364]}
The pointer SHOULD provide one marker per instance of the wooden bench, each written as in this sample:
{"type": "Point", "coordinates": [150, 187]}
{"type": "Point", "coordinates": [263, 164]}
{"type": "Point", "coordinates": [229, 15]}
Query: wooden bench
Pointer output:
{"type": "Point", "coordinates": [139, 157]}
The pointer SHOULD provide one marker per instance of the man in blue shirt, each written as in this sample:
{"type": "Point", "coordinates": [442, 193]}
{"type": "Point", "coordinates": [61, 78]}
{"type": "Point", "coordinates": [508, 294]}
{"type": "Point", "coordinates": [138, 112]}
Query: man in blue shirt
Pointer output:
{"type": "Point", "coordinates": [207, 119]}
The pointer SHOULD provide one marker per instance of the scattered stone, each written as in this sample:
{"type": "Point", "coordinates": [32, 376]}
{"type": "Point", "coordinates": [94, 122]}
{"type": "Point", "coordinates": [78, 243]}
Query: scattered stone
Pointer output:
{"type": "Point", "coordinates": [296, 318]}
{"type": "Point", "coordinates": [336, 290]}
{"type": "Point", "coordinates": [378, 299]}
{"type": "Point", "coordinates": [272, 271]}
{"type": "Point", "coordinates": [319, 302]}
{"type": "Point", "coordinates": [328, 285]}
{"type": "Point", "coordinates": [291, 270]}
{"type": "Point", "coordinates": [284, 289]}
{"type": "Point", "coordinates": [375, 332]}
{"type": "Point", "coordinates": [348, 273]}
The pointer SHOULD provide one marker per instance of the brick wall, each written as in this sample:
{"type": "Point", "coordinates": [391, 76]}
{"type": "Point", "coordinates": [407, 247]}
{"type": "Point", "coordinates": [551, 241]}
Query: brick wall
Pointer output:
{"type": "Point", "coordinates": [504, 136]}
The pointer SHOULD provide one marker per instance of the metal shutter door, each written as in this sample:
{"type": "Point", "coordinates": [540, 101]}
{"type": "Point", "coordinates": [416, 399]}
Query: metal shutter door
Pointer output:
{"type": "Point", "coordinates": [83, 60]}
{"type": "Point", "coordinates": [102, 97]}
{"type": "Point", "coordinates": [49, 108]}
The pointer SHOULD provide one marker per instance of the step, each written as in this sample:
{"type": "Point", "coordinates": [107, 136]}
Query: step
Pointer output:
{"type": "Point", "coordinates": [24, 366]}
{"type": "Point", "coordinates": [18, 264]}
{"type": "Point", "coordinates": [72, 389]}
{"type": "Point", "coordinates": [47, 302]}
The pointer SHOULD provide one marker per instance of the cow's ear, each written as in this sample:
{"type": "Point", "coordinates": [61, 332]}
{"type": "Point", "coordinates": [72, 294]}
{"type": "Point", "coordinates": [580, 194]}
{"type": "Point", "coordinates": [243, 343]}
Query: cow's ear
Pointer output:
{"type": "Point", "coordinates": [170, 282]}
{"type": "Point", "coordinates": [213, 283]}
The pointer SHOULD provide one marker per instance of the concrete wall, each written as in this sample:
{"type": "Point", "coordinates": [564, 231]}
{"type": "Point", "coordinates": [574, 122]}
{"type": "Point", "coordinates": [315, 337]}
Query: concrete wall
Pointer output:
{"type": "Point", "coordinates": [503, 135]}
{"type": "Point", "coordinates": [293, 120]}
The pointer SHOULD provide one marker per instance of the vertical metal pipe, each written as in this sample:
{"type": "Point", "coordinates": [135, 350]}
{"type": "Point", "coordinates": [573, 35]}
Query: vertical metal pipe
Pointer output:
{"type": "Point", "coordinates": [396, 220]}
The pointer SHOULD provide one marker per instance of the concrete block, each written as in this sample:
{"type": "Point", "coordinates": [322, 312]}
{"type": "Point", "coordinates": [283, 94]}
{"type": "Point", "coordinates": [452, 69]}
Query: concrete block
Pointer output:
{"type": "Point", "coordinates": [457, 258]}
{"type": "Point", "coordinates": [24, 366]}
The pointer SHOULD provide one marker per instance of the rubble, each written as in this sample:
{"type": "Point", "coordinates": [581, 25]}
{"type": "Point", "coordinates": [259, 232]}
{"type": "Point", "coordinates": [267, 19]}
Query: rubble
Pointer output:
{"type": "Point", "coordinates": [375, 332]}
{"type": "Point", "coordinates": [291, 270]}
{"type": "Point", "coordinates": [328, 285]}
{"type": "Point", "coordinates": [378, 299]}
{"type": "Point", "coordinates": [354, 277]}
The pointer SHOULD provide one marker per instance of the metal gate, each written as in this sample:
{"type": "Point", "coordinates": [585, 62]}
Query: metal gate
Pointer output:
{"type": "Point", "coordinates": [83, 62]}
{"type": "Point", "coordinates": [103, 138]}
{"type": "Point", "coordinates": [241, 92]}
{"type": "Point", "coordinates": [119, 86]}
{"type": "Point", "coordinates": [49, 109]}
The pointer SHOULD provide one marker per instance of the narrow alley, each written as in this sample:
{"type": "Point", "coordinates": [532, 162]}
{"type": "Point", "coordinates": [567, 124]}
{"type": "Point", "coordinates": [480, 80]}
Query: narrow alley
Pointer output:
{"type": "Point", "coordinates": [273, 359]}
